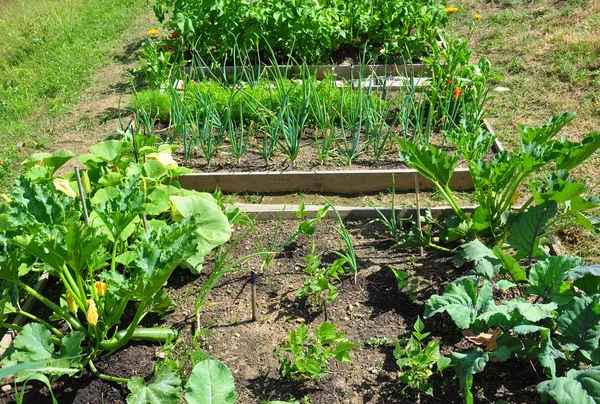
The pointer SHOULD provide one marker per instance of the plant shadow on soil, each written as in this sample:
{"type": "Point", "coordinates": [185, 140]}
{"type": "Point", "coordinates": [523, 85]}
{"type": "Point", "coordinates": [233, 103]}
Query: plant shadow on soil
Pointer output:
{"type": "Point", "coordinates": [368, 310]}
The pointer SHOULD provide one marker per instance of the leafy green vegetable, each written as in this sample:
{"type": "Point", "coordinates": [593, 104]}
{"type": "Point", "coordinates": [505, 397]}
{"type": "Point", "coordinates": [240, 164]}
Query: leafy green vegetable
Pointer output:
{"type": "Point", "coordinates": [165, 387]}
{"type": "Point", "coordinates": [578, 386]}
{"type": "Point", "coordinates": [211, 382]}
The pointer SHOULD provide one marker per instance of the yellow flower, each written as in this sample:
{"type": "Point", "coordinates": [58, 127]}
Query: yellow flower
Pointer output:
{"type": "Point", "coordinates": [63, 186]}
{"type": "Point", "coordinates": [478, 16]}
{"type": "Point", "coordinates": [71, 303]}
{"type": "Point", "coordinates": [153, 31]}
{"type": "Point", "coordinates": [100, 288]}
{"type": "Point", "coordinates": [451, 9]}
{"type": "Point", "coordinates": [92, 312]}
{"type": "Point", "coordinates": [178, 217]}
{"type": "Point", "coordinates": [164, 157]}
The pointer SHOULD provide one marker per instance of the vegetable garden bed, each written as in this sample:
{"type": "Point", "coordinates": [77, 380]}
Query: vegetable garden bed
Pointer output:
{"type": "Point", "coordinates": [370, 310]}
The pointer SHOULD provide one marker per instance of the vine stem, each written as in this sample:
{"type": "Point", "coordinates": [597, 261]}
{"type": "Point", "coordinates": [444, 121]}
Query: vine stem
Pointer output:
{"type": "Point", "coordinates": [102, 376]}
{"type": "Point", "coordinates": [57, 309]}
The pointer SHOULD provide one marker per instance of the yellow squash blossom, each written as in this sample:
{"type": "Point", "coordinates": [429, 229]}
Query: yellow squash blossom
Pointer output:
{"type": "Point", "coordinates": [451, 9]}
{"type": "Point", "coordinates": [178, 217]}
{"type": "Point", "coordinates": [164, 157]}
{"type": "Point", "coordinates": [63, 186]}
{"type": "Point", "coordinates": [153, 32]}
{"type": "Point", "coordinates": [100, 288]}
{"type": "Point", "coordinates": [71, 303]}
{"type": "Point", "coordinates": [92, 312]}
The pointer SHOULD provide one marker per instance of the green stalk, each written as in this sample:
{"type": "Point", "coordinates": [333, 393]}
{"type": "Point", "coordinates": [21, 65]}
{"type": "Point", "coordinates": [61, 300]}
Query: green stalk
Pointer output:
{"type": "Point", "coordinates": [113, 262]}
{"type": "Point", "coordinates": [57, 309]}
{"type": "Point", "coordinates": [43, 322]}
{"type": "Point", "coordinates": [105, 377]}
{"type": "Point", "coordinates": [71, 289]}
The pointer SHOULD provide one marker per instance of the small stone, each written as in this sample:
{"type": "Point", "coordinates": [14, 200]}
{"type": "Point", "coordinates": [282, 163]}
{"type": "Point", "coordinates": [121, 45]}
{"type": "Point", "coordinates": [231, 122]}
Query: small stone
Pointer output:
{"type": "Point", "coordinates": [6, 388]}
{"type": "Point", "coordinates": [374, 371]}
{"type": "Point", "coordinates": [237, 334]}
{"type": "Point", "coordinates": [210, 347]}
{"type": "Point", "coordinates": [161, 355]}
{"type": "Point", "coordinates": [350, 307]}
{"type": "Point", "coordinates": [300, 320]}
{"type": "Point", "coordinates": [346, 318]}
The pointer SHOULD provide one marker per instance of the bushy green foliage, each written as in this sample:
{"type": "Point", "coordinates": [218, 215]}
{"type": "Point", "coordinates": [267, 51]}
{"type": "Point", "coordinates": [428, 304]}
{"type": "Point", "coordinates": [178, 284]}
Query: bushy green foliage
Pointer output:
{"type": "Point", "coordinates": [310, 355]}
{"type": "Point", "coordinates": [155, 103]}
{"type": "Point", "coordinates": [416, 362]}
{"type": "Point", "coordinates": [309, 31]}
{"type": "Point", "coordinates": [113, 256]}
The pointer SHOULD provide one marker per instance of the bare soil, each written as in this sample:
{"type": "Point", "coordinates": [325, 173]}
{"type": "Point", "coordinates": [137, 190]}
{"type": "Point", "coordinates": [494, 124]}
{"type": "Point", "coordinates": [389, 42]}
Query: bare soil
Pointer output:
{"type": "Point", "coordinates": [369, 309]}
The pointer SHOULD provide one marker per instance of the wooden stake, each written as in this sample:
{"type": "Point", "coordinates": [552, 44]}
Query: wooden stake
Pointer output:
{"type": "Point", "coordinates": [418, 209]}
{"type": "Point", "coordinates": [82, 196]}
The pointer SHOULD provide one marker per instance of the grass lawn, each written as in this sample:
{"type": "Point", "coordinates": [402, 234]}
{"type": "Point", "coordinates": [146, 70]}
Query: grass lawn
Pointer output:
{"type": "Point", "coordinates": [51, 50]}
{"type": "Point", "coordinates": [549, 54]}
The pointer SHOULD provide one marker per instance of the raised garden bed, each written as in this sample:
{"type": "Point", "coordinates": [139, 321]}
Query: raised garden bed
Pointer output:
{"type": "Point", "coordinates": [371, 311]}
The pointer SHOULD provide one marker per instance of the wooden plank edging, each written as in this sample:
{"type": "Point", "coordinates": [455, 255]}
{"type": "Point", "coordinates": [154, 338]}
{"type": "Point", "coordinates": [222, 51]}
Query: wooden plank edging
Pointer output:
{"type": "Point", "coordinates": [342, 182]}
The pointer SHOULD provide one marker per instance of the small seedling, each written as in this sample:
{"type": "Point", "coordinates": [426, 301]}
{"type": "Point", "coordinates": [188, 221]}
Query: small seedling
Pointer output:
{"type": "Point", "coordinates": [416, 362]}
{"type": "Point", "coordinates": [310, 355]}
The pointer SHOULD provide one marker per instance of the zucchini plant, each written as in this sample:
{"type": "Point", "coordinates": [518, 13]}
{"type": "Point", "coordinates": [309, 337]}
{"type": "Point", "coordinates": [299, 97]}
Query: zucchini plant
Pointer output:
{"type": "Point", "coordinates": [110, 251]}
{"type": "Point", "coordinates": [560, 199]}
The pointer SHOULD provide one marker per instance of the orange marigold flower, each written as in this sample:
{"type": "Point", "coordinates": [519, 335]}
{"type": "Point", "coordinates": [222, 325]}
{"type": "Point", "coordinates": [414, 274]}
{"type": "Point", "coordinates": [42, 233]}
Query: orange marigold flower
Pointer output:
{"type": "Point", "coordinates": [477, 16]}
{"type": "Point", "coordinates": [153, 31]}
{"type": "Point", "coordinates": [450, 10]}
{"type": "Point", "coordinates": [456, 93]}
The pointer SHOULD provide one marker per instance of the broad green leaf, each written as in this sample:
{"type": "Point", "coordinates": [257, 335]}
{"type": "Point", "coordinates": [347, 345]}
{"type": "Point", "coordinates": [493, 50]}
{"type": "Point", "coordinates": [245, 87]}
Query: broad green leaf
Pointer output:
{"type": "Point", "coordinates": [154, 170]}
{"type": "Point", "coordinates": [578, 386]}
{"type": "Point", "coordinates": [533, 312]}
{"type": "Point", "coordinates": [109, 151]}
{"type": "Point", "coordinates": [212, 225]}
{"type": "Point", "coordinates": [52, 161]}
{"type": "Point", "coordinates": [159, 202]}
{"type": "Point", "coordinates": [33, 344]}
{"type": "Point", "coordinates": [510, 266]}
{"type": "Point", "coordinates": [70, 349]}
{"type": "Point", "coordinates": [486, 263]}
{"type": "Point", "coordinates": [570, 154]}
{"type": "Point", "coordinates": [461, 301]}
{"type": "Point", "coordinates": [527, 227]}
{"type": "Point", "coordinates": [434, 164]}
{"type": "Point", "coordinates": [165, 387]}
{"type": "Point", "coordinates": [465, 366]}
{"type": "Point", "coordinates": [586, 278]}
{"type": "Point", "coordinates": [341, 351]}
{"type": "Point", "coordinates": [211, 382]}
{"type": "Point", "coordinates": [552, 126]}
{"type": "Point", "coordinates": [547, 278]}
{"type": "Point", "coordinates": [579, 327]}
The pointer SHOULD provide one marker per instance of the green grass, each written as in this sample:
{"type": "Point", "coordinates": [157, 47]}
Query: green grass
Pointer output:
{"type": "Point", "coordinates": [549, 53]}
{"type": "Point", "coordinates": [51, 50]}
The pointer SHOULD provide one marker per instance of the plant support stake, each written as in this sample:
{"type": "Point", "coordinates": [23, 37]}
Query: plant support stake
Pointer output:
{"type": "Point", "coordinates": [253, 275]}
{"type": "Point", "coordinates": [418, 209]}
{"type": "Point", "coordinates": [82, 196]}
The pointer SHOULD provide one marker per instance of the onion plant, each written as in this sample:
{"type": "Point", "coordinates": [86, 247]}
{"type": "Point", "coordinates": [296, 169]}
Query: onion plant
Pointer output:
{"type": "Point", "coordinates": [324, 134]}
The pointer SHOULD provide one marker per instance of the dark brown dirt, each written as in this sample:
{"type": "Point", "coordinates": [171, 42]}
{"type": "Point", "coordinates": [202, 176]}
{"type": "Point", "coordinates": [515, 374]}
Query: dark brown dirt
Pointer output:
{"type": "Point", "coordinates": [371, 311]}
